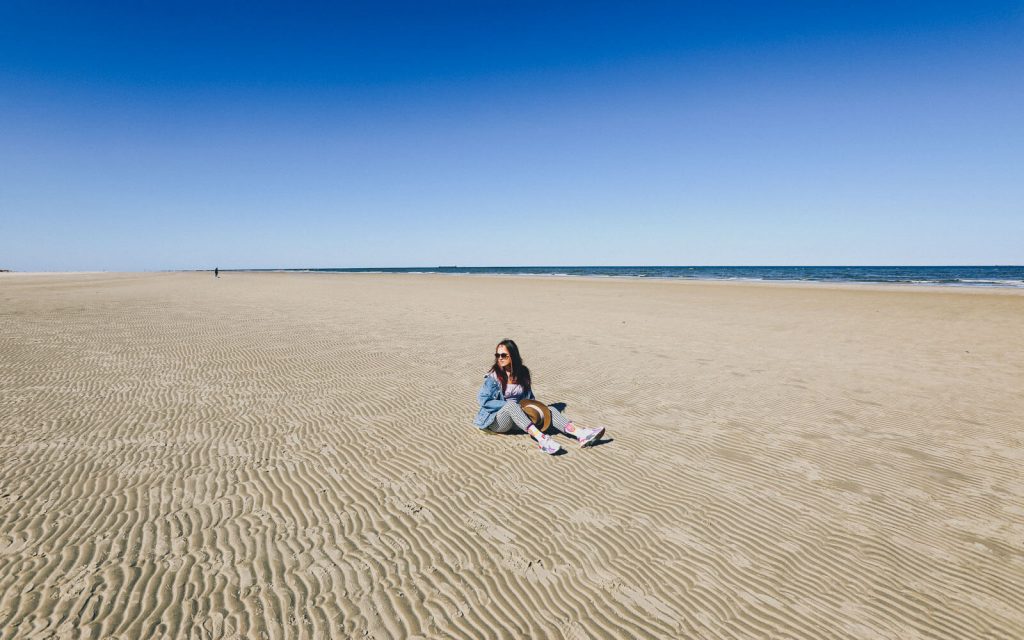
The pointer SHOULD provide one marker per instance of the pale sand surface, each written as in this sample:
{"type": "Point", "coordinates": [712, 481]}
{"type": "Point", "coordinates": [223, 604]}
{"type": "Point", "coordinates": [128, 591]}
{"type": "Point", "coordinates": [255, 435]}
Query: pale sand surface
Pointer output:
{"type": "Point", "coordinates": [292, 455]}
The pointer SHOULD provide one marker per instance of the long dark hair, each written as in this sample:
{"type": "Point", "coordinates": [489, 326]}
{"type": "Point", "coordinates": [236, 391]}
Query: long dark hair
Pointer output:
{"type": "Point", "coordinates": [519, 370]}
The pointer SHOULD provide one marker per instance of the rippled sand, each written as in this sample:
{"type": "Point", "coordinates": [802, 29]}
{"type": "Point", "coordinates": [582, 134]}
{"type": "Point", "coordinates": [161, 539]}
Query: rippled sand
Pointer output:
{"type": "Point", "coordinates": [291, 456]}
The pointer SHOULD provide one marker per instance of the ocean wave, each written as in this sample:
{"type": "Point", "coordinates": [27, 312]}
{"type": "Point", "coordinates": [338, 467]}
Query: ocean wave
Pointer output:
{"type": "Point", "coordinates": [952, 276]}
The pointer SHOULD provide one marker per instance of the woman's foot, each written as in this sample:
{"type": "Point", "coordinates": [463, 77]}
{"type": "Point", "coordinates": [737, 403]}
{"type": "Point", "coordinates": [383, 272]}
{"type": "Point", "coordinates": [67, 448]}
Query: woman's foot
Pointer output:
{"type": "Point", "coordinates": [548, 445]}
{"type": "Point", "coordinates": [587, 437]}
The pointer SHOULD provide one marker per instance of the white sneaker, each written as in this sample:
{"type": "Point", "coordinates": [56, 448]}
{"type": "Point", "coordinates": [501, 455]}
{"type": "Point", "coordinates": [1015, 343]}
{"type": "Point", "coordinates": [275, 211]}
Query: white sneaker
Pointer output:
{"type": "Point", "coordinates": [587, 437]}
{"type": "Point", "coordinates": [548, 445]}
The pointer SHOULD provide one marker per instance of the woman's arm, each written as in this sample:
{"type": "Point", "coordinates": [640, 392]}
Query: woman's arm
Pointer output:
{"type": "Point", "coordinates": [489, 395]}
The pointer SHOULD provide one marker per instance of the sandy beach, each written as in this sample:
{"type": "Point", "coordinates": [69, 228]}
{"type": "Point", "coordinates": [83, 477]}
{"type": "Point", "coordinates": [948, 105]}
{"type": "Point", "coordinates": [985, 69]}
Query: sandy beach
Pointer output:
{"type": "Point", "coordinates": [287, 455]}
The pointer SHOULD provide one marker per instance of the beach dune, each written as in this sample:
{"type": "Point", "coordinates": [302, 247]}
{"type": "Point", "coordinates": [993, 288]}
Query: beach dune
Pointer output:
{"type": "Point", "coordinates": [289, 455]}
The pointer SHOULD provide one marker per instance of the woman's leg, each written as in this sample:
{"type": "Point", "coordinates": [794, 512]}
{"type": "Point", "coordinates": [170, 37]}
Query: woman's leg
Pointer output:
{"type": "Point", "coordinates": [585, 437]}
{"type": "Point", "coordinates": [560, 422]}
{"type": "Point", "coordinates": [508, 419]}
{"type": "Point", "coordinates": [512, 415]}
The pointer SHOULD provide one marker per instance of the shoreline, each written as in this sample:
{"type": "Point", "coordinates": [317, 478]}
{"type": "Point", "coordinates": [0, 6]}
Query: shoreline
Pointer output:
{"type": "Point", "coordinates": [818, 284]}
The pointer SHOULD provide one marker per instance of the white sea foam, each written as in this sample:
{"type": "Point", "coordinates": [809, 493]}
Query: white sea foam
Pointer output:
{"type": "Point", "coordinates": [894, 276]}
{"type": "Point", "coordinates": [994, 282]}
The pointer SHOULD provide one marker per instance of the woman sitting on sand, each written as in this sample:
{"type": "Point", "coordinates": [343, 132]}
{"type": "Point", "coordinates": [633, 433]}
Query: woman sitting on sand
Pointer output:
{"type": "Point", "coordinates": [508, 382]}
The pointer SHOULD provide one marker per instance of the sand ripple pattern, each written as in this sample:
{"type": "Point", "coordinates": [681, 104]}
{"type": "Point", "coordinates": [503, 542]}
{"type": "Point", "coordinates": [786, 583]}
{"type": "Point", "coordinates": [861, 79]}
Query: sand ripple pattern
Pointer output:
{"type": "Point", "coordinates": [291, 456]}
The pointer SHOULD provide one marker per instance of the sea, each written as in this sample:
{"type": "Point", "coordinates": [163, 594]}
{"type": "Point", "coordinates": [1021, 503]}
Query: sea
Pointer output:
{"type": "Point", "coordinates": [948, 276]}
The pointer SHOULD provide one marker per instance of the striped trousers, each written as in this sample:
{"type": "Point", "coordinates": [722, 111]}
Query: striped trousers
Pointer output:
{"type": "Point", "coordinates": [512, 415]}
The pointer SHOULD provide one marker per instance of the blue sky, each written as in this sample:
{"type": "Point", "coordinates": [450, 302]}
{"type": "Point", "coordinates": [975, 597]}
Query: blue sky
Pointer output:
{"type": "Point", "coordinates": [138, 136]}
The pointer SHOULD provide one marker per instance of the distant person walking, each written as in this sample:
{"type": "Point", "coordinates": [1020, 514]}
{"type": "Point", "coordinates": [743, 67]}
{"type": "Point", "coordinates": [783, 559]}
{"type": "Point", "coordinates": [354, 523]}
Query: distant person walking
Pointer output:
{"type": "Point", "coordinates": [216, 272]}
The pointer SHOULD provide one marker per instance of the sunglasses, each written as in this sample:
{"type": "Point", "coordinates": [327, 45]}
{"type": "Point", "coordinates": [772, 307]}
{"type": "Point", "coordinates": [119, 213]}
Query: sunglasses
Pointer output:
{"type": "Point", "coordinates": [499, 356]}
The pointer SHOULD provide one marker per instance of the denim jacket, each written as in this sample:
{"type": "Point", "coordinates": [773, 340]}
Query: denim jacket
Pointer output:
{"type": "Point", "coordinates": [491, 401]}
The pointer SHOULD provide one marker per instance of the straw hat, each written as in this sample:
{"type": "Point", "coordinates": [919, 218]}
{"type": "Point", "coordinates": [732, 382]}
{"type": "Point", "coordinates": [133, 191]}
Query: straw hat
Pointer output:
{"type": "Point", "coordinates": [538, 413]}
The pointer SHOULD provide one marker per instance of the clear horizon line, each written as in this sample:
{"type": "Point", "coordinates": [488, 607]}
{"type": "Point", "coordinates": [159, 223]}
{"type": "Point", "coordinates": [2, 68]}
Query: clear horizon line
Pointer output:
{"type": "Point", "coordinates": [617, 266]}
